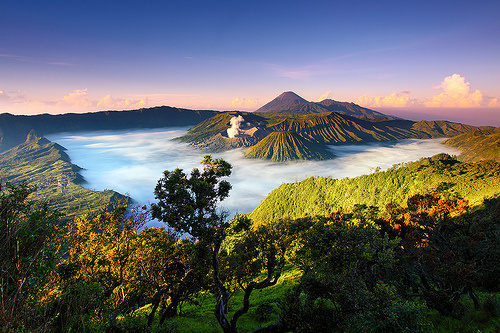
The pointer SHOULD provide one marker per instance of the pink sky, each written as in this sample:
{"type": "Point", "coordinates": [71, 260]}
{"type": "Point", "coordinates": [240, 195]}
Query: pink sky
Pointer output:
{"type": "Point", "coordinates": [435, 58]}
{"type": "Point", "coordinates": [453, 99]}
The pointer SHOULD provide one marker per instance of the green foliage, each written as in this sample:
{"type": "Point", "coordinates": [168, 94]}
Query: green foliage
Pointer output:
{"type": "Point", "coordinates": [45, 164]}
{"type": "Point", "coordinates": [321, 196]}
{"type": "Point", "coordinates": [287, 146]}
{"type": "Point", "coordinates": [188, 204]}
{"type": "Point", "coordinates": [347, 282]}
{"type": "Point", "coordinates": [483, 144]}
{"type": "Point", "coordinates": [403, 316]}
{"type": "Point", "coordinates": [264, 312]}
{"type": "Point", "coordinates": [27, 254]}
{"type": "Point", "coordinates": [119, 269]}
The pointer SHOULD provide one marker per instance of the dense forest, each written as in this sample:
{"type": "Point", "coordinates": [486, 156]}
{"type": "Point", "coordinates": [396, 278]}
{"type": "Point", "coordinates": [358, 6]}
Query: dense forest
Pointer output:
{"type": "Point", "coordinates": [422, 259]}
{"type": "Point", "coordinates": [322, 195]}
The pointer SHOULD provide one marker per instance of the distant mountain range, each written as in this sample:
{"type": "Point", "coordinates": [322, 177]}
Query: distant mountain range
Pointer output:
{"type": "Point", "coordinates": [15, 128]}
{"type": "Point", "coordinates": [290, 102]}
{"type": "Point", "coordinates": [304, 127]}
{"type": "Point", "coordinates": [310, 131]}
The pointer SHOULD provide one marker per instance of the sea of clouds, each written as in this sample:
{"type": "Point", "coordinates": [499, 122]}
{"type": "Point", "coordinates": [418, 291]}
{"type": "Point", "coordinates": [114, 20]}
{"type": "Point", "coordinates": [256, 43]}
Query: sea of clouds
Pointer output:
{"type": "Point", "coordinates": [131, 162]}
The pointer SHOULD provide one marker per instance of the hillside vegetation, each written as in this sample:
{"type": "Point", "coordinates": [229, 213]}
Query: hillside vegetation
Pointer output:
{"type": "Point", "coordinates": [321, 196]}
{"type": "Point", "coordinates": [287, 146]}
{"type": "Point", "coordinates": [328, 128]}
{"type": "Point", "coordinates": [45, 164]}
{"type": "Point", "coordinates": [427, 263]}
{"type": "Point", "coordinates": [478, 145]}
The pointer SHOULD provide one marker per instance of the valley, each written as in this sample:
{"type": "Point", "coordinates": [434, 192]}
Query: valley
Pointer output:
{"type": "Point", "coordinates": [303, 188]}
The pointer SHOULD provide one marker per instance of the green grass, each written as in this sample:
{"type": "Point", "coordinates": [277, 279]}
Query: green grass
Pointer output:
{"type": "Point", "coordinates": [473, 320]}
{"type": "Point", "coordinates": [201, 318]}
{"type": "Point", "coordinates": [45, 164]}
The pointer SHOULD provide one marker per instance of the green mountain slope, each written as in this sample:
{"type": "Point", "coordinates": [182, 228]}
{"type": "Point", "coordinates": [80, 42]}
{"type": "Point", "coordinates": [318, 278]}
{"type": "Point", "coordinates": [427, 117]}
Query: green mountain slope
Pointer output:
{"type": "Point", "coordinates": [318, 195]}
{"type": "Point", "coordinates": [334, 128]}
{"type": "Point", "coordinates": [322, 128]}
{"type": "Point", "coordinates": [478, 145]}
{"type": "Point", "coordinates": [45, 164]}
{"type": "Point", "coordinates": [287, 146]}
{"type": "Point", "coordinates": [442, 128]}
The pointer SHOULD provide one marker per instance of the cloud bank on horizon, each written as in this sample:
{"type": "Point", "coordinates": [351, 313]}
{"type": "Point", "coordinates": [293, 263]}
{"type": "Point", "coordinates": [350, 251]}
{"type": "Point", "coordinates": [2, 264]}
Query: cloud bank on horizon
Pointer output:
{"type": "Point", "coordinates": [240, 54]}
{"type": "Point", "coordinates": [455, 93]}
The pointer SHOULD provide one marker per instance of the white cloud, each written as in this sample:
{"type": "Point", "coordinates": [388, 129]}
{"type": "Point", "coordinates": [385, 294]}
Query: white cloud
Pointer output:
{"type": "Point", "coordinates": [240, 102]}
{"type": "Point", "coordinates": [392, 100]}
{"type": "Point", "coordinates": [109, 102]}
{"type": "Point", "coordinates": [324, 96]}
{"type": "Point", "coordinates": [78, 98]}
{"type": "Point", "coordinates": [3, 96]}
{"type": "Point", "coordinates": [494, 102]}
{"type": "Point", "coordinates": [456, 94]}
{"type": "Point", "coordinates": [77, 101]}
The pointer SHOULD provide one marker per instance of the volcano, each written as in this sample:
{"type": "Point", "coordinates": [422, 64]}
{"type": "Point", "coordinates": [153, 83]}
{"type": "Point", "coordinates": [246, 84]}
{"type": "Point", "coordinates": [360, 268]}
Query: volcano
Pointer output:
{"type": "Point", "coordinates": [283, 102]}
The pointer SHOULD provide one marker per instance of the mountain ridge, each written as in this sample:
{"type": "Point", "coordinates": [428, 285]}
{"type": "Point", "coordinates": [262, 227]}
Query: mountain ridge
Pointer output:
{"type": "Point", "coordinates": [45, 164]}
{"type": "Point", "coordinates": [14, 128]}
{"type": "Point", "coordinates": [287, 146]}
{"type": "Point", "coordinates": [285, 100]}
{"type": "Point", "coordinates": [290, 102]}
{"type": "Point", "coordinates": [320, 128]}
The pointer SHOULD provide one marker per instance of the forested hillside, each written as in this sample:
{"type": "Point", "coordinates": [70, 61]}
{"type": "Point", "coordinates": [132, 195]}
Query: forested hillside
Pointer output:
{"type": "Point", "coordinates": [478, 145]}
{"type": "Point", "coordinates": [428, 262]}
{"type": "Point", "coordinates": [319, 195]}
{"type": "Point", "coordinates": [44, 164]}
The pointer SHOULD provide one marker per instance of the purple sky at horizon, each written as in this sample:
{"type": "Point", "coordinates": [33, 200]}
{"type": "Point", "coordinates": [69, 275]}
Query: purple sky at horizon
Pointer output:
{"type": "Point", "coordinates": [434, 59]}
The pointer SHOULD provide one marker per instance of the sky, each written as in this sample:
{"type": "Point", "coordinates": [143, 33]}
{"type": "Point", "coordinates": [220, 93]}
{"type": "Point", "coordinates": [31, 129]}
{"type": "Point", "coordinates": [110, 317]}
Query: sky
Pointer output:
{"type": "Point", "coordinates": [421, 59]}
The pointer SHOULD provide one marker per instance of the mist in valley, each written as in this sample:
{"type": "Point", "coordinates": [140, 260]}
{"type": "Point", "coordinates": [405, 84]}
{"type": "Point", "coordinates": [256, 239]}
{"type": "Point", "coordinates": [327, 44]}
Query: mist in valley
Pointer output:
{"type": "Point", "coordinates": [131, 162]}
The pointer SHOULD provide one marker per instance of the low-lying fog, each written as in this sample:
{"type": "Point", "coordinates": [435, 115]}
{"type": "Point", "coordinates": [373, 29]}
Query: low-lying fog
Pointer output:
{"type": "Point", "coordinates": [131, 162]}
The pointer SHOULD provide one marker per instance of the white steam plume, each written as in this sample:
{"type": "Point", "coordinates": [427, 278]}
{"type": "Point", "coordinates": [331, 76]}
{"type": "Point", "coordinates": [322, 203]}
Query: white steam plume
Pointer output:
{"type": "Point", "coordinates": [234, 130]}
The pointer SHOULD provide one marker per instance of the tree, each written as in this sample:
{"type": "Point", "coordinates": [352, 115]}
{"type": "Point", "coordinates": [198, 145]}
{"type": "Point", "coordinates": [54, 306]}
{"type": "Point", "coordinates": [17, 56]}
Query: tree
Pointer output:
{"type": "Point", "coordinates": [442, 249]}
{"type": "Point", "coordinates": [27, 254]}
{"type": "Point", "coordinates": [347, 282]}
{"type": "Point", "coordinates": [188, 204]}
